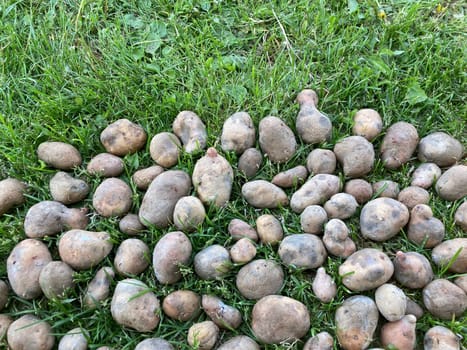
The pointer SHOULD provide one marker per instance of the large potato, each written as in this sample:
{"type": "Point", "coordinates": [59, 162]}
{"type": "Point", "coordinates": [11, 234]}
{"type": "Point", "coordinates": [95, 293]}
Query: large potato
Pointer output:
{"type": "Point", "coordinates": [154, 344]}
{"type": "Point", "coordinates": [391, 302]}
{"type": "Point", "coordinates": [165, 149]}
{"type": "Point", "coordinates": [313, 218]}
{"type": "Point", "coordinates": [223, 315]}
{"type": "Point", "coordinates": [321, 161]}
{"type": "Point", "coordinates": [360, 189]}
{"type": "Point", "coordinates": [452, 185]}
{"type": "Point", "coordinates": [367, 123]}
{"type": "Point", "coordinates": [239, 342]}
{"type": "Point", "coordinates": [440, 148]}
{"type": "Point", "coordinates": [269, 229]}
{"type": "Point", "coordinates": [212, 262]}
{"type": "Point", "coordinates": [11, 194]}
{"type": "Point", "coordinates": [59, 155]}
{"type": "Point", "coordinates": [189, 213]}
{"type": "Point", "coordinates": [276, 140]}
{"type": "Point", "coordinates": [398, 145]}
{"type": "Point", "coordinates": [55, 279]}
{"type": "Point", "coordinates": [412, 270]}
{"type": "Point", "coordinates": [74, 339]}
{"type": "Point", "coordinates": [316, 190]}
{"type": "Point", "coordinates": [190, 129]}
{"type": "Point", "coordinates": [444, 299]}
{"type": "Point", "coordinates": [452, 252]}
{"type": "Point", "coordinates": [260, 278]}
{"type": "Point", "coordinates": [106, 165]}
{"type": "Point", "coordinates": [400, 334]}
{"type": "Point", "coordinates": [113, 197]}
{"type": "Point", "coordinates": [238, 133]}
{"type": "Point", "coordinates": [302, 250]}
{"type": "Point", "coordinates": [425, 175]}
{"type": "Point", "coordinates": [441, 338]}
{"type": "Point", "coordinates": [132, 257]}
{"type": "Point", "coordinates": [66, 189]}
{"type": "Point", "coordinates": [99, 288]}
{"type": "Point", "coordinates": [356, 154]}
{"type": "Point", "coordinates": [123, 137]}
{"type": "Point", "coordinates": [143, 177]}
{"type": "Point", "coordinates": [250, 162]}
{"type": "Point", "coordinates": [263, 194]}
{"type": "Point", "coordinates": [423, 228]}
{"type": "Point", "coordinates": [290, 178]}
{"type": "Point", "coordinates": [182, 305]}
{"type": "Point", "coordinates": [30, 333]}
{"type": "Point", "coordinates": [203, 335]}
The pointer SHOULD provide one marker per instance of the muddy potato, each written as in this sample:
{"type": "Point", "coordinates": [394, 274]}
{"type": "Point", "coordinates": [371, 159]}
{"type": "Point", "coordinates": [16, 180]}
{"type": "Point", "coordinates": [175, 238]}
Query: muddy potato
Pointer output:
{"type": "Point", "coordinates": [250, 162]}
{"type": "Point", "coordinates": [291, 177]}
{"type": "Point", "coordinates": [239, 342]}
{"type": "Point", "coordinates": [182, 305]}
{"type": "Point", "coordinates": [425, 175]}
{"type": "Point", "coordinates": [413, 195]}
{"type": "Point", "coordinates": [106, 165]}
{"type": "Point", "coordinates": [130, 225]}
{"type": "Point", "coordinates": [135, 306]}
{"type": "Point", "coordinates": [239, 229]}
{"type": "Point", "coordinates": [321, 341]}
{"type": "Point", "coordinates": [59, 155]}
{"type": "Point", "coordinates": [74, 339]}
{"type": "Point", "coordinates": [171, 252]}
{"type": "Point", "coordinates": [203, 335]}
{"type": "Point", "coordinates": [66, 189]}
{"type": "Point", "coordinates": [367, 123]}
{"type": "Point", "coordinates": [441, 338]}
{"type": "Point", "coordinates": [412, 270]}
{"type": "Point", "coordinates": [444, 253]}
{"type": "Point", "coordinates": [48, 218]}
{"type": "Point", "coordinates": [452, 185]}
{"type": "Point", "coordinates": [398, 144]}
{"type": "Point", "coordinates": [11, 194]}
{"type": "Point", "coordinates": [366, 269]}
{"type": "Point", "coordinates": [302, 250]}
{"type": "Point", "coordinates": [143, 177]}
{"type": "Point", "coordinates": [99, 288]}
{"type": "Point", "coordinates": [269, 229]}
{"type": "Point", "coordinates": [336, 239]}
{"type": "Point", "coordinates": [323, 286]}
{"type": "Point", "coordinates": [444, 299]}
{"type": "Point", "coordinates": [83, 249]}
{"type": "Point", "coordinates": [360, 189]}
{"type": "Point", "coordinates": [460, 217]}
{"type": "Point", "coordinates": [276, 139]}
{"type": "Point", "coordinates": [238, 133]}
{"type": "Point", "coordinates": [5, 322]}
{"type": "Point", "coordinates": [382, 218]}
{"type": "Point", "coordinates": [263, 194]}
{"type": "Point", "coordinates": [4, 290]}
{"type": "Point", "coordinates": [30, 332]}
{"type": "Point", "coordinates": [313, 218]}
{"type": "Point", "coordinates": [123, 137]}
{"type": "Point", "coordinates": [190, 130]}
{"type": "Point", "coordinates": [260, 278]}
{"type": "Point", "coordinates": [461, 282]}
{"type": "Point", "coordinates": [165, 149]}
{"type": "Point", "coordinates": [277, 318]}
{"type": "Point", "coordinates": [386, 188]}
{"type": "Point", "coordinates": [316, 190]}
{"type": "Point", "coordinates": [212, 262]}
{"type": "Point", "coordinates": [113, 197]}
{"type": "Point", "coordinates": [341, 206]}
{"type": "Point", "coordinates": [55, 279]}
{"type": "Point", "coordinates": [391, 302]}
{"type": "Point", "coordinates": [24, 265]}
{"type": "Point", "coordinates": [243, 251]}
{"type": "Point", "coordinates": [356, 321]}
{"type": "Point", "coordinates": [321, 161]}
{"type": "Point", "coordinates": [400, 334]}
{"type": "Point", "coordinates": [161, 197]}
{"type": "Point", "coordinates": [356, 154]}
{"type": "Point", "coordinates": [223, 315]}
{"type": "Point", "coordinates": [423, 228]}
{"type": "Point", "coordinates": [440, 148]}
{"type": "Point", "coordinates": [132, 257]}
{"type": "Point", "coordinates": [189, 213]}
{"type": "Point", "coordinates": [154, 344]}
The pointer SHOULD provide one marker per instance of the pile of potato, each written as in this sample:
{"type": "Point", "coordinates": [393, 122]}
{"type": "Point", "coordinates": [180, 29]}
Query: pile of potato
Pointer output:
{"type": "Point", "coordinates": [375, 282]}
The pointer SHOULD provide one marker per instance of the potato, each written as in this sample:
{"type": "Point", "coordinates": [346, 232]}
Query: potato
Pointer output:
{"type": "Point", "coordinates": [260, 278]}
{"type": "Point", "coordinates": [190, 129]}
{"type": "Point", "coordinates": [366, 269]}
{"type": "Point", "coordinates": [143, 177]}
{"type": "Point", "coordinates": [277, 318]}
{"type": "Point", "coordinates": [154, 344]}
{"type": "Point", "coordinates": [367, 123]}
{"type": "Point", "coordinates": [290, 178]}
{"type": "Point", "coordinates": [203, 335]}
{"type": "Point", "coordinates": [321, 341]}
{"type": "Point", "coordinates": [269, 229]}
{"type": "Point", "coordinates": [106, 165]}
{"type": "Point", "coordinates": [123, 137]}
{"type": "Point", "coordinates": [263, 194]}
{"type": "Point", "coordinates": [321, 161]}
{"type": "Point", "coordinates": [48, 218]}
{"type": "Point", "coordinates": [425, 175]}
{"type": "Point", "coordinates": [423, 228]}
{"type": "Point", "coordinates": [382, 218]}
{"type": "Point", "coordinates": [412, 270]}
{"type": "Point", "coordinates": [30, 332]}
{"type": "Point", "coordinates": [113, 197]}
{"type": "Point", "coordinates": [99, 288]}
{"type": "Point", "coordinates": [83, 249]}
{"type": "Point", "coordinates": [74, 339]}
{"type": "Point", "coordinates": [130, 225]}
{"type": "Point", "coordinates": [66, 189]}
{"type": "Point", "coordinates": [239, 229]}
{"type": "Point", "coordinates": [444, 299]}
{"type": "Point", "coordinates": [239, 342]}
{"type": "Point", "coordinates": [135, 306]}
{"type": "Point", "coordinates": [212, 262]}
{"type": "Point", "coordinates": [356, 320]}
{"type": "Point", "coordinates": [161, 197]}
{"type": "Point", "coordinates": [5, 322]}
{"type": "Point", "coordinates": [460, 217]}
{"type": "Point", "coordinates": [360, 189]}
{"type": "Point", "coordinates": [413, 195]}
{"type": "Point", "coordinates": [189, 213]}
{"type": "Point", "coordinates": [243, 251]}
{"type": "Point", "coordinates": [400, 334]}
{"type": "Point", "coordinates": [302, 250]}
{"type": "Point", "coordinates": [250, 162]}
{"type": "Point", "coordinates": [55, 279]}
{"type": "Point", "coordinates": [223, 315]}
{"type": "Point", "coordinates": [238, 133]}
{"type": "Point", "coordinates": [11, 194]}
{"type": "Point", "coordinates": [165, 149]}
{"type": "Point", "coordinates": [312, 125]}
{"type": "Point", "coordinates": [182, 305]}
{"type": "Point", "coordinates": [313, 218]}
{"type": "Point", "coordinates": [461, 282]}
{"type": "Point", "coordinates": [212, 178]}
{"type": "Point", "coordinates": [276, 139]}
{"type": "Point", "coordinates": [316, 190]}
{"type": "Point", "coordinates": [452, 185]}
{"type": "Point", "coordinates": [323, 286]}
{"type": "Point", "coordinates": [356, 154]}
{"type": "Point", "coordinates": [444, 253]}
{"type": "Point", "coordinates": [24, 265]}
{"type": "Point", "coordinates": [398, 144]}
{"type": "Point", "coordinates": [386, 188]}
{"type": "Point", "coordinates": [59, 155]}
{"type": "Point", "coordinates": [171, 252]}
{"type": "Point", "coordinates": [4, 290]}
{"type": "Point", "coordinates": [132, 257]}
{"type": "Point", "coordinates": [336, 239]}
{"type": "Point", "coordinates": [440, 148]}
{"type": "Point", "coordinates": [341, 206]}
{"type": "Point", "coordinates": [441, 338]}
{"type": "Point", "coordinates": [391, 302]}
{"type": "Point", "coordinates": [413, 309]}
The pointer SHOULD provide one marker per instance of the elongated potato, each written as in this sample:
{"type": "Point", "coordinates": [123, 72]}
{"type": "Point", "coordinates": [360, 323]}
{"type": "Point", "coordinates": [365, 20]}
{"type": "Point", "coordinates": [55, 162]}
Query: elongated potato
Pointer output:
{"type": "Point", "coordinates": [191, 130]}
{"type": "Point", "coordinates": [238, 133]}
{"type": "Point", "coordinates": [11, 194]}
{"type": "Point", "coordinates": [276, 140]}
{"type": "Point", "coordinates": [399, 144]}
{"type": "Point", "coordinates": [263, 194]}
{"type": "Point", "coordinates": [59, 155]}
{"type": "Point", "coordinates": [316, 190]}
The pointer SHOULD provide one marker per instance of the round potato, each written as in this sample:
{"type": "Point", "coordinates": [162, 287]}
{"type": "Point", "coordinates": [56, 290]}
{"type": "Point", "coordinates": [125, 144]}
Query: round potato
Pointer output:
{"type": "Point", "coordinates": [59, 155]}
{"type": "Point", "coordinates": [182, 305]}
{"type": "Point", "coordinates": [412, 270]}
{"type": "Point", "coordinates": [66, 189]}
{"type": "Point", "coordinates": [441, 338]}
{"type": "Point", "coordinates": [386, 189]}
{"type": "Point", "coordinates": [440, 148]}
{"type": "Point", "coordinates": [452, 185]}
{"type": "Point", "coordinates": [106, 165]}
{"type": "Point", "coordinates": [367, 123]}
{"type": "Point", "coordinates": [239, 342]}
{"type": "Point", "coordinates": [123, 137]}
{"type": "Point", "coordinates": [189, 213]}
{"type": "Point", "coordinates": [321, 341]}
{"type": "Point", "coordinates": [360, 189]}
{"type": "Point", "coordinates": [55, 279]}
{"type": "Point", "coordinates": [336, 239]}
{"type": "Point", "coordinates": [203, 335]}
{"type": "Point", "coordinates": [74, 339]}
{"type": "Point", "coordinates": [276, 139]}
{"type": "Point", "coordinates": [165, 149]}
{"type": "Point", "coordinates": [263, 194]}
{"type": "Point", "coordinates": [321, 161]}
{"type": "Point", "coordinates": [250, 162]}
{"type": "Point", "coordinates": [316, 190]}
{"type": "Point", "coordinates": [143, 177]}
{"type": "Point", "coordinates": [154, 344]}
{"type": "Point", "coordinates": [99, 288]}
{"type": "Point", "coordinates": [113, 197]}
{"type": "Point", "coordinates": [239, 229]}
{"type": "Point", "coordinates": [132, 257]}
{"type": "Point", "coordinates": [269, 229]}
{"type": "Point", "coordinates": [303, 251]}
{"type": "Point", "coordinates": [425, 175]}
{"type": "Point", "coordinates": [356, 154]}
{"type": "Point", "coordinates": [238, 133]}
{"type": "Point", "coordinates": [313, 218]}
{"type": "Point", "coordinates": [398, 144]}
{"type": "Point", "coordinates": [29, 332]}
{"type": "Point", "coordinates": [341, 206]}
{"type": "Point", "coordinates": [4, 290]}
{"type": "Point", "coordinates": [11, 194]}
{"type": "Point", "coordinates": [400, 334]}
{"type": "Point", "coordinates": [260, 278]}
{"type": "Point", "coordinates": [453, 253]}
{"type": "Point", "coordinates": [243, 251]}
{"type": "Point", "coordinates": [130, 225]}
{"type": "Point", "coordinates": [391, 302]}
{"type": "Point", "coordinates": [212, 262]}
{"type": "Point", "coordinates": [413, 195]}
{"type": "Point", "coordinates": [444, 299]}
{"type": "Point", "coordinates": [423, 228]}
{"type": "Point", "coordinates": [191, 130]}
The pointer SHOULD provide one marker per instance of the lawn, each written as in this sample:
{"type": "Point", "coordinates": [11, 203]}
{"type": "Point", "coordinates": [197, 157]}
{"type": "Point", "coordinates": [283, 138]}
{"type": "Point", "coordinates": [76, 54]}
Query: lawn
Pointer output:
{"type": "Point", "coordinates": [69, 68]}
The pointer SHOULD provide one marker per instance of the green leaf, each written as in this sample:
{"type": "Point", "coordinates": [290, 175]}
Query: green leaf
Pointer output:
{"type": "Point", "coordinates": [415, 94]}
{"type": "Point", "coordinates": [153, 42]}
{"type": "Point", "coordinates": [133, 21]}
{"type": "Point", "coordinates": [352, 5]}
{"type": "Point", "coordinates": [379, 65]}
{"type": "Point", "coordinates": [237, 92]}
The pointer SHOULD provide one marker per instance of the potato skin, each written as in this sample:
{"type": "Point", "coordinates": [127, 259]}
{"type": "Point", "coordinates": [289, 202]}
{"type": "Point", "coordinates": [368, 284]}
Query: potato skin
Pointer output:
{"type": "Point", "coordinates": [321, 161]}
{"type": "Point", "coordinates": [460, 217]}
{"type": "Point", "coordinates": [356, 154]}
{"type": "Point", "coordinates": [4, 290]}
{"type": "Point", "coordinates": [123, 137]}
{"type": "Point", "coordinates": [391, 302]}
{"type": "Point", "coordinates": [413, 195]}
{"type": "Point", "coordinates": [106, 165]}
{"type": "Point", "coordinates": [269, 229]}
{"type": "Point", "coordinates": [5, 322]}
{"type": "Point", "coordinates": [360, 189]}
{"type": "Point", "coordinates": [238, 133]}
{"type": "Point", "coordinates": [412, 270]}
{"type": "Point", "coordinates": [239, 229]}
{"type": "Point", "coordinates": [367, 123]}
{"type": "Point", "coordinates": [29, 332]}
{"type": "Point", "coordinates": [263, 194]}
{"type": "Point", "coordinates": [59, 155]}
{"type": "Point", "coordinates": [74, 339]}
{"type": "Point", "coordinates": [321, 341]}
{"type": "Point", "coordinates": [323, 286]}
{"type": "Point", "coordinates": [154, 344]}
{"type": "Point", "coordinates": [400, 334]}
{"type": "Point", "coordinates": [132, 257]}
{"type": "Point", "coordinates": [440, 338]}
{"type": "Point", "coordinates": [425, 175]}
{"type": "Point", "coordinates": [440, 148]}
{"type": "Point", "coordinates": [243, 251]}
{"type": "Point", "coordinates": [55, 278]}
{"type": "Point", "coordinates": [143, 177]}
{"type": "Point", "coordinates": [291, 177]}
{"type": "Point", "coordinates": [213, 262]}
{"type": "Point", "coordinates": [313, 218]}
{"type": "Point", "coordinates": [444, 299]}
{"type": "Point", "coordinates": [165, 149]}
{"type": "Point", "coordinates": [130, 224]}
{"type": "Point", "coordinates": [182, 305]}
{"type": "Point", "coordinates": [260, 278]}
{"type": "Point", "coordinates": [223, 315]}
{"type": "Point", "coordinates": [68, 190]}
{"type": "Point", "coordinates": [341, 206]}
{"type": "Point", "coordinates": [452, 185]}
{"type": "Point", "coordinates": [11, 194]}
{"type": "Point", "coordinates": [399, 144]}
{"type": "Point", "coordinates": [99, 288]}
{"type": "Point", "coordinates": [113, 197]}
{"type": "Point", "coordinates": [303, 250]}
{"type": "Point", "coordinates": [276, 139]}
{"type": "Point", "coordinates": [312, 125]}
{"type": "Point", "coordinates": [239, 342]}
{"type": "Point", "coordinates": [250, 162]}
{"type": "Point", "coordinates": [204, 334]}
{"type": "Point", "coordinates": [443, 253]}
{"type": "Point", "coordinates": [423, 228]}
{"type": "Point", "coordinates": [191, 130]}
{"type": "Point", "coordinates": [386, 188]}
{"type": "Point", "coordinates": [316, 190]}
{"type": "Point", "coordinates": [189, 213]}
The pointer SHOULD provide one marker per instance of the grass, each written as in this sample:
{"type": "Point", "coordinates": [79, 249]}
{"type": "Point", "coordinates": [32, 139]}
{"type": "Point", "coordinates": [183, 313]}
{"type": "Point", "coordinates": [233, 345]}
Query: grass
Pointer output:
{"type": "Point", "coordinates": [68, 68]}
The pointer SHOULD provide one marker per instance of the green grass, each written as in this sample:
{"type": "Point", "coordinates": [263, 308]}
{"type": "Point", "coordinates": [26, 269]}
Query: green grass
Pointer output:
{"type": "Point", "coordinates": [68, 68]}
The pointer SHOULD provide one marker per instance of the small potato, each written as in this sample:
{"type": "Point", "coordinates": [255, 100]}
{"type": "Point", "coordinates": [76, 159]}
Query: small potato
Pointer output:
{"type": "Point", "coordinates": [223, 315]}
{"type": "Point", "coordinates": [302, 250]}
{"type": "Point", "coordinates": [367, 123]}
{"type": "Point", "coordinates": [29, 332]}
{"type": "Point", "coordinates": [239, 229]}
{"type": "Point", "coordinates": [360, 189]}
{"type": "Point", "coordinates": [55, 279]}
{"type": "Point", "coordinates": [440, 148]}
{"type": "Point", "coordinates": [4, 290]}
{"type": "Point", "coordinates": [341, 206]}
{"type": "Point", "coordinates": [413, 195]}
{"type": "Point", "coordinates": [452, 185]}
{"type": "Point", "coordinates": [165, 149]}
{"type": "Point", "coordinates": [321, 161]}
{"type": "Point", "coordinates": [276, 139]}
{"type": "Point", "coordinates": [243, 251]}
{"type": "Point", "coordinates": [291, 177]}
{"type": "Point", "coordinates": [356, 154]}
{"type": "Point", "coordinates": [444, 299]}
{"type": "Point", "coordinates": [74, 339]}
{"type": "Point", "coordinates": [263, 194]}
{"type": "Point", "coordinates": [444, 253]}
{"type": "Point", "coordinates": [239, 342]}
{"type": "Point", "coordinates": [269, 229]}
{"type": "Point", "coordinates": [412, 270]}
{"type": "Point", "coordinates": [130, 225]}
{"type": "Point", "coordinates": [59, 155]}
{"type": "Point", "coordinates": [203, 335]}
{"type": "Point", "coordinates": [5, 322]}
{"type": "Point", "coordinates": [461, 282]}
{"type": "Point", "coordinates": [323, 286]}
{"type": "Point", "coordinates": [123, 137]}
{"type": "Point", "coordinates": [398, 145]}
{"type": "Point", "coordinates": [313, 218]}
{"type": "Point", "coordinates": [425, 175]}
{"type": "Point", "coordinates": [212, 262]}
{"type": "Point", "coordinates": [106, 165]}
{"type": "Point", "coordinates": [113, 197]}
{"type": "Point", "coordinates": [336, 239]}
{"type": "Point", "coordinates": [391, 302]}
{"type": "Point", "coordinates": [460, 217]}
{"type": "Point", "coordinates": [238, 133]}
{"type": "Point", "coordinates": [66, 189]}
{"type": "Point", "coordinates": [386, 189]}
{"type": "Point", "coordinates": [190, 129]}
{"type": "Point", "coordinates": [189, 213]}
{"type": "Point", "coordinates": [321, 341]}
{"type": "Point", "coordinates": [132, 257]}
{"type": "Point", "coordinates": [400, 334]}
{"type": "Point", "coordinates": [316, 190]}
{"type": "Point", "coordinates": [260, 278]}
{"type": "Point", "coordinates": [154, 344]}
{"type": "Point", "coordinates": [182, 305]}
{"type": "Point", "coordinates": [250, 162]}
{"type": "Point", "coordinates": [11, 194]}
{"type": "Point", "coordinates": [413, 309]}
{"type": "Point", "coordinates": [441, 338]}
{"type": "Point", "coordinates": [423, 228]}
{"type": "Point", "coordinates": [143, 177]}
{"type": "Point", "coordinates": [99, 288]}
